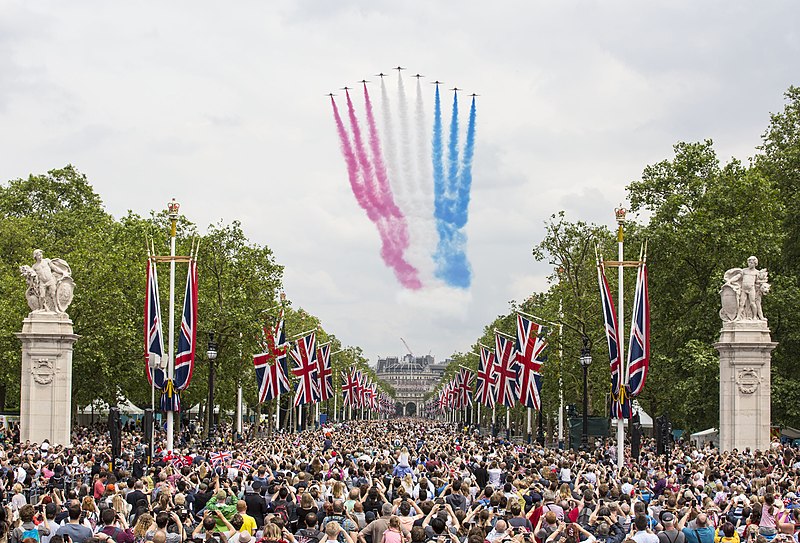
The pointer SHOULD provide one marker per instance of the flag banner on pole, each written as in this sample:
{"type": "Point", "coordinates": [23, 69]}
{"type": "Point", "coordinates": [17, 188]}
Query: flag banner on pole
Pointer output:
{"type": "Point", "coordinates": [618, 396]}
{"type": "Point", "coordinates": [187, 339]}
{"type": "Point", "coordinates": [639, 347]}
{"type": "Point", "coordinates": [358, 387]}
{"type": "Point", "coordinates": [506, 370]}
{"type": "Point", "coordinates": [373, 396]}
{"type": "Point", "coordinates": [153, 335]}
{"type": "Point", "coordinates": [324, 373]}
{"type": "Point", "coordinates": [271, 367]}
{"type": "Point", "coordinates": [366, 391]}
{"type": "Point", "coordinates": [531, 342]}
{"type": "Point", "coordinates": [486, 381]}
{"type": "Point", "coordinates": [304, 354]}
{"type": "Point", "coordinates": [465, 387]}
{"type": "Point", "coordinates": [349, 385]}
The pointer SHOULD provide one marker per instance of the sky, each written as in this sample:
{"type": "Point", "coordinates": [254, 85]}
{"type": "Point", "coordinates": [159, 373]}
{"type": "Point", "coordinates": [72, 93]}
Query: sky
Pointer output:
{"type": "Point", "coordinates": [222, 106]}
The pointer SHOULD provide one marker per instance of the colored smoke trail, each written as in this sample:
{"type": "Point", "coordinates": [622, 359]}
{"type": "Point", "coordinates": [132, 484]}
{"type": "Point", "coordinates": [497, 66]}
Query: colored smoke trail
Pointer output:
{"type": "Point", "coordinates": [385, 191]}
{"type": "Point", "coordinates": [452, 157]}
{"type": "Point", "coordinates": [424, 220]}
{"type": "Point", "coordinates": [395, 179]}
{"type": "Point", "coordinates": [461, 211]}
{"type": "Point", "coordinates": [452, 265]}
{"type": "Point", "coordinates": [392, 227]}
{"type": "Point", "coordinates": [363, 160]}
{"type": "Point", "coordinates": [421, 153]}
{"type": "Point", "coordinates": [359, 190]}
{"type": "Point", "coordinates": [438, 159]}
{"type": "Point", "coordinates": [405, 146]}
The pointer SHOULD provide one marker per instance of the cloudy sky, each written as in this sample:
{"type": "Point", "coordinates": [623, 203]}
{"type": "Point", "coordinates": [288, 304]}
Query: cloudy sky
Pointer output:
{"type": "Point", "coordinates": [221, 105]}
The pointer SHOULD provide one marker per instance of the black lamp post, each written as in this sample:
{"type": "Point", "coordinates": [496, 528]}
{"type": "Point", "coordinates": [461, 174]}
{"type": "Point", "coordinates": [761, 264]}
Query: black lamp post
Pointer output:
{"type": "Point", "coordinates": [586, 361]}
{"type": "Point", "coordinates": [212, 355]}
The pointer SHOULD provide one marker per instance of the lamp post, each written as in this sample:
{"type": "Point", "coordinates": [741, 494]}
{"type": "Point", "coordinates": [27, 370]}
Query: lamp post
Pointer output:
{"type": "Point", "coordinates": [212, 355]}
{"type": "Point", "coordinates": [586, 361]}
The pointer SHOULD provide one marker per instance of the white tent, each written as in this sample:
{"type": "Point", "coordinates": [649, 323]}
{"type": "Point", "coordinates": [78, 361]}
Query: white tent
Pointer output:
{"type": "Point", "coordinates": [99, 407]}
{"type": "Point", "coordinates": [645, 420]}
{"type": "Point", "coordinates": [699, 439]}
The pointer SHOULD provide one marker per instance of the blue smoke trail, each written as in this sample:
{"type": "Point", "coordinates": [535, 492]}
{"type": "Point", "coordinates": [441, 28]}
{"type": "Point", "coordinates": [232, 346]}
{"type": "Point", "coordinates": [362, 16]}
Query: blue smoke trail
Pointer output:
{"type": "Point", "coordinates": [452, 156]}
{"type": "Point", "coordinates": [452, 265]}
{"type": "Point", "coordinates": [465, 182]}
{"type": "Point", "coordinates": [438, 160]}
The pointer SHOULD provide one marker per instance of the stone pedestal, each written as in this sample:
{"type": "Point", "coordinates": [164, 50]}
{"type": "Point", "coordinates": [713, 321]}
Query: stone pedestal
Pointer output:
{"type": "Point", "coordinates": [744, 349]}
{"type": "Point", "coordinates": [46, 384]}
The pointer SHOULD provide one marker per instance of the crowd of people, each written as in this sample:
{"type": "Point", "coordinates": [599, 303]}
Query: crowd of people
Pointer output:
{"type": "Point", "coordinates": [391, 481]}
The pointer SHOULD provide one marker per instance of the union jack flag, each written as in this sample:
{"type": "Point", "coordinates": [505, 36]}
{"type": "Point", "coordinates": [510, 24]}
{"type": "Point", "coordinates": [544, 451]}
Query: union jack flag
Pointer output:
{"type": "Point", "coordinates": [181, 461]}
{"type": "Point", "coordinates": [243, 465]}
{"type": "Point", "coordinates": [271, 371]}
{"type": "Point", "coordinates": [530, 343]}
{"type": "Point", "coordinates": [187, 339]}
{"type": "Point", "coordinates": [219, 458]}
{"type": "Point", "coordinates": [486, 382]}
{"type": "Point", "coordinates": [506, 370]}
{"type": "Point", "coordinates": [373, 396]}
{"type": "Point", "coordinates": [305, 358]}
{"type": "Point", "coordinates": [639, 347]}
{"type": "Point", "coordinates": [324, 372]}
{"type": "Point", "coordinates": [465, 387]}
{"type": "Point", "coordinates": [349, 384]}
{"type": "Point", "coordinates": [153, 337]}
{"type": "Point", "coordinates": [618, 399]}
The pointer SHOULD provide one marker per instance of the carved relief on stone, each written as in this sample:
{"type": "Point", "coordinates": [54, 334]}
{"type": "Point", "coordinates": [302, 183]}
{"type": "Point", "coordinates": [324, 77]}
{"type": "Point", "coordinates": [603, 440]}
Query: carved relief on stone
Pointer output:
{"type": "Point", "coordinates": [748, 380]}
{"type": "Point", "coordinates": [43, 370]}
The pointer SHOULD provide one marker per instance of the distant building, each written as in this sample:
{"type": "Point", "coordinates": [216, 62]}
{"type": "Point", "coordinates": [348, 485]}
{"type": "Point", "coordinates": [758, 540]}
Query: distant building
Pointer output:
{"type": "Point", "coordinates": [412, 377]}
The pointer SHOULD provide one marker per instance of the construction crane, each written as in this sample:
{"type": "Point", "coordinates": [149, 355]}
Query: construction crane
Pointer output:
{"type": "Point", "coordinates": [409, 350]}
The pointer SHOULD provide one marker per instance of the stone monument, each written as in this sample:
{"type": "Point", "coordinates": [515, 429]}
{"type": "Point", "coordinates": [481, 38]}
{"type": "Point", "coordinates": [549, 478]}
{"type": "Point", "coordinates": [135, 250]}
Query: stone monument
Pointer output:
{"type": "Point", "coordinates": [745, 347]}
{"type": "Point", "coordinates": [47, 339]}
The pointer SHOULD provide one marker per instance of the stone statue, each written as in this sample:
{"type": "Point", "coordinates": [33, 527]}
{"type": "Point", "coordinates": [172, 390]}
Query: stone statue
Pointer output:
{"type": "Point", "coordinates": [50, 284]}
{"type": "Point", "coordinates": [742, 291]}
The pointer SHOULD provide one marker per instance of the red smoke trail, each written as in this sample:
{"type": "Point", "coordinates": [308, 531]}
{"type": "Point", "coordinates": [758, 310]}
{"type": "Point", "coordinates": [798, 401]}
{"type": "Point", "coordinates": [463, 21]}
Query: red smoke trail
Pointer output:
{"type": "Point", "coordinates": [363, 159]}
{"type": "Point", "coordinates": [393, 230]}
{"type": "Point", "coordinates": [359, 190]}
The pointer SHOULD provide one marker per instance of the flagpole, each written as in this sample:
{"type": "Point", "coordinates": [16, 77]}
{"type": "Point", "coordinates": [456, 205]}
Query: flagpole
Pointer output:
{"type": "Point", "coordinates": [239, 395]}
{"type": "Point", "coordinates": [173, 216]}
{"type": "Point", "coordinates": [530, 426]}
{"type": "Point", "coordinates": [623, 378]}
{"type": "Point", "coordinates": [561, 372]}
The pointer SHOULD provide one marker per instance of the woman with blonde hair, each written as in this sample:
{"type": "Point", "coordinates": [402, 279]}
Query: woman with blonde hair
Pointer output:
{"type": "Point", "coordinates": [89, 511]}
{"type": "Point", "coordinates": [18, 499]}
{"type": "Point", "coordinates": [143, 524]}
{"type": "Point", "coordinates": [119, 505]}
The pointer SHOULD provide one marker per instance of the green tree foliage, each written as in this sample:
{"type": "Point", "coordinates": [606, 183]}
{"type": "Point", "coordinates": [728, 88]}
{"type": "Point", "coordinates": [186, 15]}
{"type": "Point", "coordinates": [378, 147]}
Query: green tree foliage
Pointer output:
{"type": "Point", "coordinates": [239, 282]}
{"type": "Point", "coordinates": [701, 217]}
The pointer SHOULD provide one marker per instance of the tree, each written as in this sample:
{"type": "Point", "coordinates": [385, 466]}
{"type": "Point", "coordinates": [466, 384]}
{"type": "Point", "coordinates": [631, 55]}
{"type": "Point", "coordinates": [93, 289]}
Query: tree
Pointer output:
{"type": "Point", "coordinates": [705, 218]}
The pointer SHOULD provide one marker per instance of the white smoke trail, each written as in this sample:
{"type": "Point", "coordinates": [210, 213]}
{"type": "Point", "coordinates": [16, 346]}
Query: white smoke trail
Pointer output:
{"type": "Point", "coordinates": [399, 187]}
{"type": "Point", "coordinates": [424, 174]}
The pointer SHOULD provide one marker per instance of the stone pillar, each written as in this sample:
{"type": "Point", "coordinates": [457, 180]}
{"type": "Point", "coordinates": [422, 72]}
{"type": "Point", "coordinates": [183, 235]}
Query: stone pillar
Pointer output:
{"type": "Point", "coordinates": [745, 349]}
{"type": "Point", "coordinates": [46, 385]}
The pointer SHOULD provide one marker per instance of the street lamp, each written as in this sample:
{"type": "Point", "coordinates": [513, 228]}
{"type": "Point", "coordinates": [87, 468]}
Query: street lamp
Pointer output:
{"type": "Point", "coordinates": [586, 361]}
{"type": "Point", "coordinates": [212, 355]}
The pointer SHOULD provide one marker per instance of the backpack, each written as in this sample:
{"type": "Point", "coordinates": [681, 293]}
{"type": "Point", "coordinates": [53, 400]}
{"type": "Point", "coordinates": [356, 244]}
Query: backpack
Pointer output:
{"type": "Point", "coordinates": [307, 536]}
{"type": "Point", "coordinates": [33, 533]}
{"type": "Point", "coordinates": [282, 511]}
{"type": "Point", "coordinates": [583, 516]}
